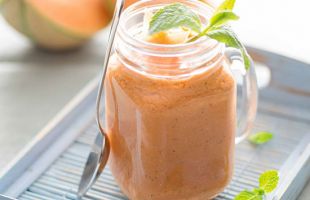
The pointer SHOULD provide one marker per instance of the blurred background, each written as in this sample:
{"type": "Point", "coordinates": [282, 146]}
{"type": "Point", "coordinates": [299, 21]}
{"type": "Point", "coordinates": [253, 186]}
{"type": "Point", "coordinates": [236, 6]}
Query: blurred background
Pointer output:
{"type": "Point", "coordinates": [35, 84]}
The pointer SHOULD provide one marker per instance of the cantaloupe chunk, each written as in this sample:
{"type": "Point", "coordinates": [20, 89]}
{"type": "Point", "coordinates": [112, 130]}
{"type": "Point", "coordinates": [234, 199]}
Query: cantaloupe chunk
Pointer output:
{"type": "Point", "coordinates": [170, 37]}
{"type": "Point", "coordinates": [174, 36]}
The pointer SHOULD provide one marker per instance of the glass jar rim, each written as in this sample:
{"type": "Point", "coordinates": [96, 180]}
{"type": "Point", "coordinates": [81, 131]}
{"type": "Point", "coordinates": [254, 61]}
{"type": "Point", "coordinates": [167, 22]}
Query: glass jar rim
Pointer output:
{"type": "Point", "coordinates": [182, 48]}
{"type": "Point", "coordinates": [155, 59]}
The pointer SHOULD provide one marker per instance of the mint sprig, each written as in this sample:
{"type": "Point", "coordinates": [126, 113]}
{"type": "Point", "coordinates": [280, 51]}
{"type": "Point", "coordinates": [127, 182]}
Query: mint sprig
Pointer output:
{"type": "Point", "coordinates": [178, 15]}
{"type": "Point", "coordinates": [268, 181]}
{"type": "Point", "coordinates": [260, 137]}
{"type": "Point", "coordinates": [173, 16]}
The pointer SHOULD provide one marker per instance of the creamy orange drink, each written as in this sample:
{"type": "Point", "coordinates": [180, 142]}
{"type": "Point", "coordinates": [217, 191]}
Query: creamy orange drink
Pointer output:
{"type": "Point", "coordinates": [170, 111]}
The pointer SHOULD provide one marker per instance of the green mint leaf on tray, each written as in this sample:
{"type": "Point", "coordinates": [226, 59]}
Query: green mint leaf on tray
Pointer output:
{"type": "Point", "coordinates": [259, 191]}
{"type": "Point", "coordinates": [173, 16]}
{"type": "Point", "coordinates": [178, 15]}
{"type": "Point", "coordinates": [260, 137]}
{"type": "Point", "coordinates": [248, 195]}
{"type": "Point", "coordinates": [268, 181]}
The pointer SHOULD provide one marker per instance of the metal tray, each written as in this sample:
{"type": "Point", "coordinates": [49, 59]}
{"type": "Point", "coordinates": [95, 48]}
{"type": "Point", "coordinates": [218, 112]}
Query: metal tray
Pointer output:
{"type": "Point", "coordinates": [50, 167]}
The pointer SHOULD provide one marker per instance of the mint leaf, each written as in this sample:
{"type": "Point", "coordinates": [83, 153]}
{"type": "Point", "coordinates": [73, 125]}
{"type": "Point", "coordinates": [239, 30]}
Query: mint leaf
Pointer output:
{"type": "Point", "coordinates": [248, 195]}
{"type": "Point", "coordinates": [260, 137]}
{"type": "Point", "coordinates": [226, 5]}
{"type": "Point", "coordinates": [230, 39]}
{"type": "Point", "coordinates": [221, 18]}
{"type": "Point", "coordinates": [173, 16]}
{"type": "Point", "coordinates": [268, 181]}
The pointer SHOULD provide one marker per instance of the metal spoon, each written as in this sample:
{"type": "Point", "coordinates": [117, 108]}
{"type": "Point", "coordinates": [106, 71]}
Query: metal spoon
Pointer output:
{"type": "Point", "coordinates": [100, 150]}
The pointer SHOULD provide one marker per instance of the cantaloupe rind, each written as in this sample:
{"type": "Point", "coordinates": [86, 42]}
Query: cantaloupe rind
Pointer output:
{"type": "Point", "coordinates": [43, 31]}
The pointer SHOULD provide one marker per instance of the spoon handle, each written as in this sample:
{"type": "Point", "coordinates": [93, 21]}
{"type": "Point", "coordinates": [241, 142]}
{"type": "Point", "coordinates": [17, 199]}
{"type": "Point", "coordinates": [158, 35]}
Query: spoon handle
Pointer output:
{"type": "Point", "coordinates": [117, 14]}
{"type": "Point", "coordinates": [99, 154]}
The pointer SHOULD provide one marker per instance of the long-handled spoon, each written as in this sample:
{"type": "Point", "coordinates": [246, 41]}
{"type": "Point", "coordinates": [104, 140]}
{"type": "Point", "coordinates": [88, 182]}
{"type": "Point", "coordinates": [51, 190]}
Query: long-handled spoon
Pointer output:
{"type": "Point", "coordinates": [100, 150]}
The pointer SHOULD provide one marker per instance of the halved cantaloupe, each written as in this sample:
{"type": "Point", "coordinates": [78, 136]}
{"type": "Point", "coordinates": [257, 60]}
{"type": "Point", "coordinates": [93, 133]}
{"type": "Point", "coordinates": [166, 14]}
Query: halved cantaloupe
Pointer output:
{"type": "Point", "coordinates": [57, 24]}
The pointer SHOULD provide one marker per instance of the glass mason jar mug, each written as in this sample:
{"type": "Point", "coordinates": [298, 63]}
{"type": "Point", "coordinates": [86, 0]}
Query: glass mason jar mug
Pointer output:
{"type": "Point", "coordinates": [171, 111]}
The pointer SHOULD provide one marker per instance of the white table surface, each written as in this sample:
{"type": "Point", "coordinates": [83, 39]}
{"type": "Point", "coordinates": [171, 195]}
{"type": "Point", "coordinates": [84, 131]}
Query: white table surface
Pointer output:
{"type": "Point", "coordinates": [35, 85]}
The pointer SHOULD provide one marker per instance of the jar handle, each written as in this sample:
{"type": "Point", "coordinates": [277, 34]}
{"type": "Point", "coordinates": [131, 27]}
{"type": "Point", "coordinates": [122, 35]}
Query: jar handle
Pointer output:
{"type": "Point", "coordinates": [248, 104]}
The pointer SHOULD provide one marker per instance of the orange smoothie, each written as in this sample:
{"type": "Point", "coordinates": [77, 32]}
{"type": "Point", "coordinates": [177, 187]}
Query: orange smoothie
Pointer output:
{"type": "Point", "coordinates": [172, 137]}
